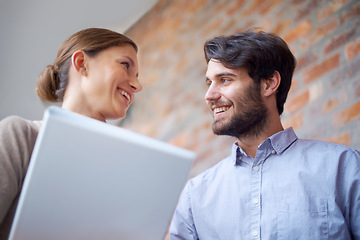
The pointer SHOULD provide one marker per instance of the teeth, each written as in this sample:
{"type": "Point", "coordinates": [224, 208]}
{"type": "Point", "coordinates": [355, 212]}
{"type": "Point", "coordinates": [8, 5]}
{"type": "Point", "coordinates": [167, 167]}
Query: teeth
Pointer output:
{"type": "Point", "coordinates": [126, 95]}
{"type": "Point", "coordinates": [220, 109]}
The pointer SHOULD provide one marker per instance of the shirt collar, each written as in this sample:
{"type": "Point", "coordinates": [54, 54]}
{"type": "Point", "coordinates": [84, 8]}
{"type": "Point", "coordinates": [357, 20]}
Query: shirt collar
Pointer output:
{"type": "Point", "coordinates": [278, 142]}
{"type": "Point", "coordinates": [282, 140]}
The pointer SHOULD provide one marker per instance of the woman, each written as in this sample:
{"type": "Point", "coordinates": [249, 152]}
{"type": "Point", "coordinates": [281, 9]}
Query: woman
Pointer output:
{"type": "Point", "coordinates": [94, 74]}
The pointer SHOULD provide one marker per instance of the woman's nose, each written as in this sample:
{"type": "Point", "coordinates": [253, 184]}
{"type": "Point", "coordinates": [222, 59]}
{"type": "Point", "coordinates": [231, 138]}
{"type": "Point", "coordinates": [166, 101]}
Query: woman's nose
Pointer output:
{"type": "Point", "coordinates": [135, 84]}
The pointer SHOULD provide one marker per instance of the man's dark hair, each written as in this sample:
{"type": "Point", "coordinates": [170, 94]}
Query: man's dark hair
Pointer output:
{"type": "Point", "coordinates": [260, 53]}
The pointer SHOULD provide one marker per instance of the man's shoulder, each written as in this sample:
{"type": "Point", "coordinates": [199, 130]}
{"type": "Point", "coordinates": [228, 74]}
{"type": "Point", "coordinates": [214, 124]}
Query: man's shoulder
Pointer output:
{"type": "Point", "coordinates": [326, 146]}
{"type": "Point", "coordinates": [211, 175]}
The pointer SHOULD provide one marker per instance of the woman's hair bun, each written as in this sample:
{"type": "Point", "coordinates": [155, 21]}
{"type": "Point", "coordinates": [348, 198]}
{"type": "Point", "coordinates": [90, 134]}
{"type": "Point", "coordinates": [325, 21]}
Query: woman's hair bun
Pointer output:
{"type": "Point", "coordinates": [48, 84]}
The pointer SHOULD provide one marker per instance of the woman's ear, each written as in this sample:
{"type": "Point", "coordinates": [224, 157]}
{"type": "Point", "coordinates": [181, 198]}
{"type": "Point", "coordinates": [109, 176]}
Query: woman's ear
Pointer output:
{"type": "Point", "coordinates": [78, 60]}
{"type": "Point", "coordinates": [271, 85]}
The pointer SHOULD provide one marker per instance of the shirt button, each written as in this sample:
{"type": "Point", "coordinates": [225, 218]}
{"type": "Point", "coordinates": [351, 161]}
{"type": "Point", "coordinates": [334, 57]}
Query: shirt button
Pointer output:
{"type": "Point", "coordinates": [255, 233]}
{"type": "Point", "coordinates": [273, 151]}
{"type": "Point", "coordinates": [255, 201]}
{"type": "Point", "coordinates": [256, 168]}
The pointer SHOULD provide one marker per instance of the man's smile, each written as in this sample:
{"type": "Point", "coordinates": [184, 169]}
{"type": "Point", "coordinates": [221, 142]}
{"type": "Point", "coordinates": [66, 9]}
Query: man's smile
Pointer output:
{"type": "Point", "coordinates": [220, 109]}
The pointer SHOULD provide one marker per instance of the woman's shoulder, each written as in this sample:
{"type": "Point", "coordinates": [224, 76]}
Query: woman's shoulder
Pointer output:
{"type": "Point", "coordinates": [16, 124]}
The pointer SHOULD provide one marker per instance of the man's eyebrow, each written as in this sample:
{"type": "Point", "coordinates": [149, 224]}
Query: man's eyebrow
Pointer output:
{"type": "Point", "coordinates": [222, 74]}
{"type": "Point", "coordinates": [225, 74]}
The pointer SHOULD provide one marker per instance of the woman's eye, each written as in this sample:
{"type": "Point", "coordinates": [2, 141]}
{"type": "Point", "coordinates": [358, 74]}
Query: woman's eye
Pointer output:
{"type": "Point", "coordinates": [126, 64]}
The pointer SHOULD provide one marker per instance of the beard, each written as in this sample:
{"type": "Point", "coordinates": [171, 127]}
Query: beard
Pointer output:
{"type": "Point", "coordinates": [249, 119]}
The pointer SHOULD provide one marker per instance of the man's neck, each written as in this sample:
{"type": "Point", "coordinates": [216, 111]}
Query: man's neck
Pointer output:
{"type": "Point", "coordinates": [250, 143]}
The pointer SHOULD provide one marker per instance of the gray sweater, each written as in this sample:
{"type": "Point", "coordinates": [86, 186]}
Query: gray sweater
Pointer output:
{"type": "Point", "coordinates": [17, 139]}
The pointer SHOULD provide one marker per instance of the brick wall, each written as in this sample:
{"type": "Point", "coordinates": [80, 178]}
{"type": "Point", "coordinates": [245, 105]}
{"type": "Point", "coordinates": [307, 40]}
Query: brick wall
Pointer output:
{"type": "Point", "coordinates": [324, 101]}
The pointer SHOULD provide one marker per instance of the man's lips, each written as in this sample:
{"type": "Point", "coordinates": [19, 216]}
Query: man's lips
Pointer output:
{"type": "Point", "coordinates": [221, 109]}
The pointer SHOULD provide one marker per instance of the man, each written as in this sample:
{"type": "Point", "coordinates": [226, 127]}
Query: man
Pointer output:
{"type": "Point", "coordinates": [273, 185]}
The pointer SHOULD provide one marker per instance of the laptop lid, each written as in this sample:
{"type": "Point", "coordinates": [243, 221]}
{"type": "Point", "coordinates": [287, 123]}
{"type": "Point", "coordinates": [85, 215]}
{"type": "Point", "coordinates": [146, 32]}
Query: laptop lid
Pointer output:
{"type": "Point", "coordinates": [91, 180]}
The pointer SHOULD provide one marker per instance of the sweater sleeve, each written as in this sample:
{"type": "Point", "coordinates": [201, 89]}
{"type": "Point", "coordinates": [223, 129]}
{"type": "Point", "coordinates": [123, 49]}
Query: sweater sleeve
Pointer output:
{"type": "Point", "coordinates": [17, 139]}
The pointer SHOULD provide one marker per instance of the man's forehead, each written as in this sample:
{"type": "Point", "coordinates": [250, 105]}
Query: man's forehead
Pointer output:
{"type": "Point", "coordinates": [216, 67]}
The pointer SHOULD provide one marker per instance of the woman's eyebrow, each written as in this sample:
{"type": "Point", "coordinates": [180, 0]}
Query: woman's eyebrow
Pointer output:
{"type": "Point", "coordinates": [131, 60]}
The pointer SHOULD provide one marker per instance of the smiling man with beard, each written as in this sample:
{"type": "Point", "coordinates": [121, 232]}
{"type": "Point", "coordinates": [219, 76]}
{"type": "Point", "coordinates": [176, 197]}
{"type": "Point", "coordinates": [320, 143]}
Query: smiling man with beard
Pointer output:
{"type": "Point", "coordinates": [273, 185]}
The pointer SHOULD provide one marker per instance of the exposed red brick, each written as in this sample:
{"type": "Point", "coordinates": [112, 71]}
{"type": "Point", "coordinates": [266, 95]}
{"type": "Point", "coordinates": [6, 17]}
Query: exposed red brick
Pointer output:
{"type": "Point", "coordinates": [255, 5]}
{"type": "Point", "coordinates": [346, 72]}
{"type": "Point", "coordinates": [344, 139]}
{"type": "Point", "coordinates": [357, 88]}
{"type": "Point", "coordinates": [297, 2]}
{"type": "Point", "coordinates": [294, 86]}
{"type": "Point", "coordinates": [353, 49]}
{"type": "Point", "coordinates": [249, 24]}
{"type": "Point", "coordinates": [269, 6]}
{"type": "Point", "coordinates": [148, 129]}
{"type": "Point", "coordinates": [225, 142]}
{"type": "Point", "coordinates": [321, 69]}
{"type": "Point", "coordinates": [196, 5]}
{"type": "Point", "coordinates": [203, 156]}
{"type": "Point", "coordinates": [266, 24]}
{"type": "Point", "coordinates": [180, 140]}
{"type": "Point", "coordinates": [151, 79]}
{"type": "Point", "coordinates": [353, 12]}
{"type": "Point", "coordinates": [295, 103]}
{"type": "Point", "coordinates": [303, 28]}
{"type": "Point", "coordinates": [171, 65]}
{"type": "Point", "coordinates": [348, 115]}
{"type": "Point", "coordinates": [206, 125]}
{"type": "Point", "coordinates": [330, 8]}
{"type": "Point", "coordinates": [304, 61]}
{"type": "Point", "coordinates": [214, 25]}
{"type": "Point", "coordinates": [217, 7]}
{"type": "Point", "coordinates": [281, 26]}
{"type": "Point", "coordinates": [330, 105]}
{"type": "Point", "coordinates": [199, 130]}
{"type": "Point", "coordinates": [306, 11]}
{"type": "Point", "coordinates": [339, 41]}
{"type": "Point", "coordinates": [167, 42]}
{"type": "Point", "coordinates": [296, 122]}
{"type": "Point", "coordinates": [230, 26]}
{"type": "Point", "coordinates": [160, 5]}
{"type": "Point", "coordinates": [181, 65]}
{"type": "Point", "coordinates": [325, 29]}
{"type": "Point", "coordinates": [234, 6]}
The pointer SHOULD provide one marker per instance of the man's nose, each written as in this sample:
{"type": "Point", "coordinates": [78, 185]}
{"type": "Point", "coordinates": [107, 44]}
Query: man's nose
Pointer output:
{"type": "Point", "coordinates": [212, 93]}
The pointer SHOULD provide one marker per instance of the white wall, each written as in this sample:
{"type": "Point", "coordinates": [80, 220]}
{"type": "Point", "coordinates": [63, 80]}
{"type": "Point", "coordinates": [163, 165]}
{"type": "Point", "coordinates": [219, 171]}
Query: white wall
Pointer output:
{"type": "Point", "coordinates": [31, 33]}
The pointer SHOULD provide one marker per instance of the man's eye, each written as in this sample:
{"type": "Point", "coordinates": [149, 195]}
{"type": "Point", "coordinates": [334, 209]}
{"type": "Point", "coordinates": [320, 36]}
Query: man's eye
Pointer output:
{"type": "Point", "coordinates": [126, 64]}
{"type": "Point", "coordinates": [224, 80]}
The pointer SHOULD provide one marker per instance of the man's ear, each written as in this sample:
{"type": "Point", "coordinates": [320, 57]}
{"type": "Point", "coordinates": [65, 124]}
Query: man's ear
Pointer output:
{"type": "Point", "coordinates": [78, 60]}
{"type": "Point", "coordinates": [271, 85]}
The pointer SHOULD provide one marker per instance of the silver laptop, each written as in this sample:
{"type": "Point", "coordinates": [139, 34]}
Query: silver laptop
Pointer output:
{"type": "Point", "coordinates": [91, 180]}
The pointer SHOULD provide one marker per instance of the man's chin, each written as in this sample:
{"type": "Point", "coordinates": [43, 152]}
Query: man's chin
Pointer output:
{"type": "Point", "coordinates": [220, 129]}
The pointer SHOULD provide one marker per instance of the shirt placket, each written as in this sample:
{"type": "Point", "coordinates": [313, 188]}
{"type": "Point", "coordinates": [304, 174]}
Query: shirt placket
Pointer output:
{"type": "Point", "coordinates": [256, 173]}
